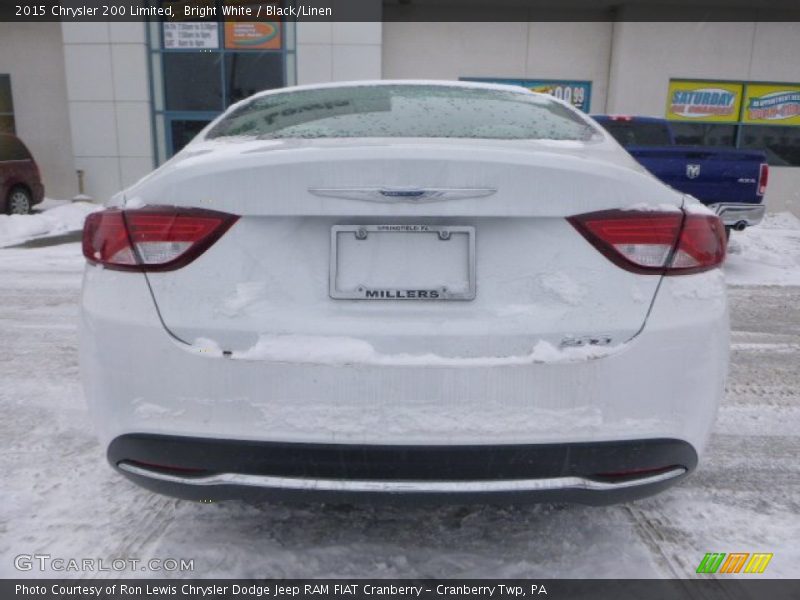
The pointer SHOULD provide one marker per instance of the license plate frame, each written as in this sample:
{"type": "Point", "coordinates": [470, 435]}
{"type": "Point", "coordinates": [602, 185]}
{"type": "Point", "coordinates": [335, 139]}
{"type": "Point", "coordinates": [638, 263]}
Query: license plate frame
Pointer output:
{"type": "Point", "coordinates": [425, 294]}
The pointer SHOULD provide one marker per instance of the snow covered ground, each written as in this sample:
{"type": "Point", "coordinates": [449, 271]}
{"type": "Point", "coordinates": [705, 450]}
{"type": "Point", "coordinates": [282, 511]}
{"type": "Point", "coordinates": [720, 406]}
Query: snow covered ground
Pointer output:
{"type": "Point", "coordinates": [51, 217]}
{"type": "Point", "coordinates": [768, 254]}
{"type": "Point", "coordinates": [60, 497]}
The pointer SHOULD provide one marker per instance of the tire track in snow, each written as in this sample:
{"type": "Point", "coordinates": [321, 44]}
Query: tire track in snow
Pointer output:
{"type": "Point", "coordinates": [142, 535]}
{"type": "Point", "coordinates": [652, 530]}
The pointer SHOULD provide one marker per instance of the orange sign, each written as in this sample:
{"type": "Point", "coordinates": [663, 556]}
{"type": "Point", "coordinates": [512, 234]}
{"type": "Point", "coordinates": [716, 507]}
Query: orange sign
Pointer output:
{"type": "Point", "coordinates": [249, 35]}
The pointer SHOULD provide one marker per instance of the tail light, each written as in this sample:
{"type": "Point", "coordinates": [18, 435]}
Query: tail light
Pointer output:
{"type": "Point", "coordinates": [673, 243]}
{"type": "Point", "coordinates": [629, 474]}
{"type": "Point", "coordinates": [763, 177]}
{"type": "Point", "coordinates": [152, 238]}
{"type": "Point", "coordinates": [163, 467]}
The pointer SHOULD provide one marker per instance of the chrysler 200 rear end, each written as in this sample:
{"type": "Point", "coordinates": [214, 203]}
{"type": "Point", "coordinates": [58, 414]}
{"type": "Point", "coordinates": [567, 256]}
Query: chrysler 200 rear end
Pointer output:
{"type": "Point", "coordinates": [415, 288]}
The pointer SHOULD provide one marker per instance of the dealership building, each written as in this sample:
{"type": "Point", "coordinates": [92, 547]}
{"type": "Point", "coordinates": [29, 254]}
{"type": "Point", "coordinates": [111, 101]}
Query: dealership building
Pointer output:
{"type": "Point", "coordinates": [100, 104]}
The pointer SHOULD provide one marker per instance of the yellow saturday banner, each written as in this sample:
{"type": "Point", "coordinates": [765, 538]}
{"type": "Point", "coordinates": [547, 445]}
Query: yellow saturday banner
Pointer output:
{"type": "Point", "coordinates": [772, 104]}
{"type": "Point", "coordinates": [704, 101]}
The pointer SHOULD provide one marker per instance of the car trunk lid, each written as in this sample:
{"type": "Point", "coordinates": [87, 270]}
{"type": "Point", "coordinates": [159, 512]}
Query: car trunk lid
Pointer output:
{"type": "Point", "coordinates": [486, 220]}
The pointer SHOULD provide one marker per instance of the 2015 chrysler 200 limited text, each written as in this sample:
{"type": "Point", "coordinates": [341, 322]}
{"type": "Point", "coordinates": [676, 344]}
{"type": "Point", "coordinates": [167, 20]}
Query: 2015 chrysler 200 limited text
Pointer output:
{"type": "Point", "coordinates": [435, 290]}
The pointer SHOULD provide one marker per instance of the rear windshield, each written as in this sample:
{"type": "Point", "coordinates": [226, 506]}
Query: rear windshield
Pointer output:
{"type": "Point", "coordinates": [638, 133]}
{"type": "Point", "coordinates": [13, 149]}
{"type": "Point", "coordinates": [403, 111]}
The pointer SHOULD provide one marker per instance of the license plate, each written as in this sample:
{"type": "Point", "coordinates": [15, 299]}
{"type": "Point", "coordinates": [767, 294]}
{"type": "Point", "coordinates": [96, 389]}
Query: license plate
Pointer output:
{"type": "Point", "coordinates": [402, 262]}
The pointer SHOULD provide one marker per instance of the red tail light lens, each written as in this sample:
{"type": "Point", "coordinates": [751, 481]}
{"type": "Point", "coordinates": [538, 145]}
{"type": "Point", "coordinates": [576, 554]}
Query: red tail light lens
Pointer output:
{"type": "Point", "coordinates": [763, 177]}
{"type": "Point", "coordinates": [701, 246]}
{"type": "Point", "coordinates": [161, 467]}
{"type": "Point", "coordinates": [636, 473]}
{"type": "Point", "coordinates": [670, 243]}
{"type": "Point", "coordinates": [152, 238]}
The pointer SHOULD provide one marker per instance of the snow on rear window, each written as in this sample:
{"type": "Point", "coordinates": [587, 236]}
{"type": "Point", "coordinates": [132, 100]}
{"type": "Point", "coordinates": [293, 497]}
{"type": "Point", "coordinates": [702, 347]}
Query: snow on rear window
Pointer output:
{"type": "Point", "coordinates": [403, 111]}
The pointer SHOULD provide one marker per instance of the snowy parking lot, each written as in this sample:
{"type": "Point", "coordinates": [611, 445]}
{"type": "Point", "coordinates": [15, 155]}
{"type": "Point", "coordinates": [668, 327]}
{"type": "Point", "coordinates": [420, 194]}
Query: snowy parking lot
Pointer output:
{"type": "Point", "coordinates": [61, 498]}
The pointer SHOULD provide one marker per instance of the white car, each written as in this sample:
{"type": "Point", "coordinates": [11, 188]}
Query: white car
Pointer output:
{"type": "Point", "coordinates": [428, 289]}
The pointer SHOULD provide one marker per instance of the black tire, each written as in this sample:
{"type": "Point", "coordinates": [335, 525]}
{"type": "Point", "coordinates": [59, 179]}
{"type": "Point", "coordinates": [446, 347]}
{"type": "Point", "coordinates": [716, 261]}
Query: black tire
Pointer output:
{"type": "Point", "coordinates": [19, 201]}
{"type": "Point", "coordinates": [728, 233]}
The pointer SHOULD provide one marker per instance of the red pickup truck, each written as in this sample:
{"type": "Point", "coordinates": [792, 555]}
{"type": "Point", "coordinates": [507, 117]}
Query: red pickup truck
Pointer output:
{"type": "Point", "coordinates": [20, 183]}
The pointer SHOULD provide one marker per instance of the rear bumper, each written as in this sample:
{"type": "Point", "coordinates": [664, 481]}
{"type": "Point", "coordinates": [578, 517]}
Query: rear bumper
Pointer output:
{"type": "Point", "coordinates": [739, 214]}
{"type": "Point", "coordinates": [38, 192]}
{"type": "Point", "coordinates": [588, 473]}
{"type": "Point", "coordinates": [553, 421]}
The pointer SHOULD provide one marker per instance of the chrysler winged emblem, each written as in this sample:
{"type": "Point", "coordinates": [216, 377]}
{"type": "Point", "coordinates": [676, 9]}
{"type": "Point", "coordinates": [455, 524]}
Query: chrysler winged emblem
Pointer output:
{"type": "Point", "coordinates": [397, 194]}
{"type": "Point", "coordinates": [692, 171]}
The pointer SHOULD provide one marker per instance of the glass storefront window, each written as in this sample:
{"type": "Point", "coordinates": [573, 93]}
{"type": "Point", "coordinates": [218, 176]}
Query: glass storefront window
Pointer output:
{"type": "Point", "coordinates": [183, 130]}
{"type": "Point", "coordinates": [192, 81]}
{"type": "Point", "coordinates": [749, 115]}
{"type": "Point", "coordinates": [199, 68]}
{"type": "Point", "coordinates": [782, 144]}
{"type": "Point", "coordinates": [249, 72]}
{"type": "Point", "coordinates": [704, 134]}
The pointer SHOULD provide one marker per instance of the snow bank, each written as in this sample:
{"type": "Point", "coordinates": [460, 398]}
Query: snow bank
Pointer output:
{"type": "Point", "coordinates": [339, 350]}
{"type": "Point", "coordinates": [59, 219]}
{"type": "Point", "coordinates": [767, 254]}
